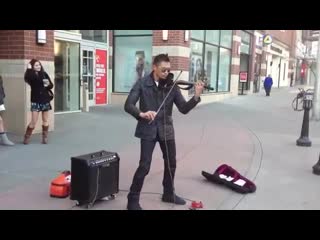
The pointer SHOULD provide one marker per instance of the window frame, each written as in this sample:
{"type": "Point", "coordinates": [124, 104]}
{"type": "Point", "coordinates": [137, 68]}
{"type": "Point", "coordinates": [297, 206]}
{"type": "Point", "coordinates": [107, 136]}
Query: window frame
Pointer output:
{"type": "Point", "coordinates": [93, 40]}
{"type": "Point", "coordinates": [219, 46]}
{"type": "Point", "coordinates": [114, 58]}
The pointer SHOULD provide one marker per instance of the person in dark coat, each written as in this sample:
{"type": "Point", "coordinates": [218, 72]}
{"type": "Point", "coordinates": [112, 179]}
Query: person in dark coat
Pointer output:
{"type": "Point", "coordinates": [153, 127]}
{"type": "Point", "coordinates": [3, 136]}
{"type": "Point", "coordinates": [268, 84]}
{"type": "Point", "coordinates": [41, 96]}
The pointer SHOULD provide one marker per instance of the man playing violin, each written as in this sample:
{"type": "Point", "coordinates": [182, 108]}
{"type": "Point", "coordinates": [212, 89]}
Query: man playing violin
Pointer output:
{"type": "Point", "coordinates": [156, 125]}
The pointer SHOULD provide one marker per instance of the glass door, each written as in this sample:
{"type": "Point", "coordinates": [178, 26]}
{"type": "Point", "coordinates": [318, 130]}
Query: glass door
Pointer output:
{"type": "Point", "coordinates": [88, 73]}
{"type": "Point", "coordinates": [67, 76]}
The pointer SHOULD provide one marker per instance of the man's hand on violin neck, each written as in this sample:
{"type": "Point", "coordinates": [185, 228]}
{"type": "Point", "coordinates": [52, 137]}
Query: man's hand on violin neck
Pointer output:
{"type": "Point", "coordinates": [199, 86]}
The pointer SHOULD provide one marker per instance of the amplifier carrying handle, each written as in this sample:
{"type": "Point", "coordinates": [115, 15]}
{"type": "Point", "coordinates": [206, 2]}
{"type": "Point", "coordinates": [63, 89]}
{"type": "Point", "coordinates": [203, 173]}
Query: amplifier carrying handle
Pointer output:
{"type": "Point", "coordinates": [101, 154]}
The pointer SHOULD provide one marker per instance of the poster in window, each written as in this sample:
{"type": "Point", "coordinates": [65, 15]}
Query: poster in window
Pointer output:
{"type": "Point", "coordinates": [196, 67]}
{"type": "Point", "coordinates": [133, 59]}
{"type": "Point", "coordinates": [101, 76]}
{"type": "Point", "coordinates": [142, 68]}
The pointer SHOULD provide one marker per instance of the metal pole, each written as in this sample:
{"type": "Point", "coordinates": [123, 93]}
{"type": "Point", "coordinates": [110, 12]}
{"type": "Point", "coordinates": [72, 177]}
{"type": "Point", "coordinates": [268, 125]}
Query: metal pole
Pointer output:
{"type": "Point", "coordinates": [316, 168]}
{"type": "Point", "coordinates": [316, 96]}
{"type": "Point", "coordinates": [304, 140]}
{"type": "Point", "coordinates": [85, 96]}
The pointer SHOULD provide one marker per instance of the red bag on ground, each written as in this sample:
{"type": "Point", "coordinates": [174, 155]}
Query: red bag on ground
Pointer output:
{"type": "Point", "coordinates": [60, 186]}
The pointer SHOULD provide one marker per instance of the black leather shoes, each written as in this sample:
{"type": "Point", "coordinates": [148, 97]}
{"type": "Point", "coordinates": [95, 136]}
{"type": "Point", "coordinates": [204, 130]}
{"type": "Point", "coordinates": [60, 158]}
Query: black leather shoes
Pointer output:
{"type": "Point", "coordinates": [134, 206]}
{"type": "Point", "coordinates": [173, 199]}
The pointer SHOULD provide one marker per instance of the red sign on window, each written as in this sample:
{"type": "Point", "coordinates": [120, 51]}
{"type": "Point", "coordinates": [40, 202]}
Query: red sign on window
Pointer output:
{"type": "Point", "coordinates": [101, 76]}
{"type": "Point", "coordinates": [243, 76]}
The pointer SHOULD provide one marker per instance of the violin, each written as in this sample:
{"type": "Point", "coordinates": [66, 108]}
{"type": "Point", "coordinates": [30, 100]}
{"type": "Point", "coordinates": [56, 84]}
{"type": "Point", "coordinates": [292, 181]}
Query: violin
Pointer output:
{"type": "Point", "coordinates": [191, 84]}
{"type": "Point", "coordinates": [169, 83]}
{"type": "Point", "coordinates": [188, 84]}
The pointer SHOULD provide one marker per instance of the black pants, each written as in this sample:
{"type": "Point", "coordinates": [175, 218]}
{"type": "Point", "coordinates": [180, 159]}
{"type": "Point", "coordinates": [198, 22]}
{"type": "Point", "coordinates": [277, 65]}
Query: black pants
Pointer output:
{"type": "Point", "coordinates": [268, 91]}
{"type": "Point", "coordinates": [147, 148]}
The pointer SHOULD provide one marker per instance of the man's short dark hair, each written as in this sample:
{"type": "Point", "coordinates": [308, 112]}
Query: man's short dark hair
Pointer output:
{"type": "Point", "coordinates": [160, 58]}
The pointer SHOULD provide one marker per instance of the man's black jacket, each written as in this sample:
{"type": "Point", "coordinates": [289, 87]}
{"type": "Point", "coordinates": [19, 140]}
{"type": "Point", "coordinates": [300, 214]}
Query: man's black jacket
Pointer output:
{"type": "Point", "coordinates": [150, 98]}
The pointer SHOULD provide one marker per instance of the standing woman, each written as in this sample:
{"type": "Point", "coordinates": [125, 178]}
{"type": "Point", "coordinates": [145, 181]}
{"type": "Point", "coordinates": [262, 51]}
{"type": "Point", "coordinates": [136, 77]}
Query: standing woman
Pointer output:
{"type": "Point", "coordinates": [3, 136]}
{"type": "Point", "coordinates": [41, 96]}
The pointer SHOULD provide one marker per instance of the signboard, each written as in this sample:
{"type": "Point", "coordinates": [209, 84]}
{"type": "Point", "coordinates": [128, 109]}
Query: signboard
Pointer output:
{"type": "Point", "coordinates": [101, 76]}
{"type": "Point", "coordinates": [41, 36]}
{"type": "Point", "coordinates": [259, 39]}
{"type": "Point", "coordinates": [267, 39]}
{"type": "Point", "coordinates": [243, 76]}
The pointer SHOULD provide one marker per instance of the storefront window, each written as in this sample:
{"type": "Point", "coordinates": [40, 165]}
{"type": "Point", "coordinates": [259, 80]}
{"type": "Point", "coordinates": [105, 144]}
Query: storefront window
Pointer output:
{"type": "Point", "coordinates": [224, 70]}
{"type": "Point", "coordinates": [245, 37]}
{"type": "Point", "coordinates": [212, 36]}
{"type": "Point", "coordinates": [196, 48]}
{"type": "Point", "coordinates": [132, 32]}
{"type": "Point", "coordinates": [245, 48]}
{"type": "Point", "coordinates": [245, 42]}
{"type": "Point", "coordinates": [196, 61]}
{"type": "Point", "coordinates": [211, 59]}
{"type": "Point", "coordinates": [245, 57]}
{"type": "Point", "coordinates": [67, 75]}
{"type": "Point", "coordinates": [132, 60]}
{"type": "Point", "coordinates": [100, 35]}
{"type": "Point", "coordinates": [95, 35]}
{"type": "Point", "coordinates": [226, 38]}
{"type": "Point", "coordinates": [211, 64]}
{"type": "Point", "coordinates": [197, 34]}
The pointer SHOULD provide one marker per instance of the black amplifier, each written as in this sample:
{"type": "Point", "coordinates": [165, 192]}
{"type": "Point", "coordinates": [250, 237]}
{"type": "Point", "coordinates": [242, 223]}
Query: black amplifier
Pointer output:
{"type": "Point", "coordinates": [94, 176]}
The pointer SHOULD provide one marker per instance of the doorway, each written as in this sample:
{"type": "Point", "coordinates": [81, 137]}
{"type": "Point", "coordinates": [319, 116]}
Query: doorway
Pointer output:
{"type": "Point", "coordinates": [88, 73]}
{"type": "Point", "coordinates": [67, 76]}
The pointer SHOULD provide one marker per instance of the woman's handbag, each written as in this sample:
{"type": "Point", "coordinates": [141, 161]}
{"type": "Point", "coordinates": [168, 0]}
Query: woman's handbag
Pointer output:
{"type": "Point", "coordinates": [51, 95]}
